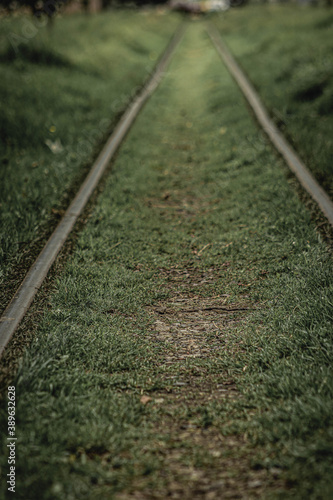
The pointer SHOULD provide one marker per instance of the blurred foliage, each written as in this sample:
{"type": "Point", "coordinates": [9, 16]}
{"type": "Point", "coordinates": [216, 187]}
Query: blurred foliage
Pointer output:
{"type": "Point", "coordinates": [51, 7]}
{"type": "Point", "coordinates": [38, 7]}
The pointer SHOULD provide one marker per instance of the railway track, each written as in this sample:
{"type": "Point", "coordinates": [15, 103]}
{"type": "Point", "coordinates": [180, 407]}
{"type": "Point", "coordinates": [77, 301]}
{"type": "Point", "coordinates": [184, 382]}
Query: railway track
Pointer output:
{"type": "Point", "coordinates": [25, 294]}
{"type": "Point", "coordinates": [192, 315]}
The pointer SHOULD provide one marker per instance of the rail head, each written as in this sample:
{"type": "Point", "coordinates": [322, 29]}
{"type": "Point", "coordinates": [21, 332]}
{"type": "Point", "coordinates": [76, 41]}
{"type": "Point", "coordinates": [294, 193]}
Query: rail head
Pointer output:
{"type": "Point", "coordinates": [290, 156]}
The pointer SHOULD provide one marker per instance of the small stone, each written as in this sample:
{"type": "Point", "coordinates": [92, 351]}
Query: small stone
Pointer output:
{"type": "Point", "coordinates": [255, 483]}
{"type": "Point", "coordinates": [275, 471]}
{"type": "Point", "coordinates": [145, 399]}
{"type": "Point", "coordinates": [215, 453]}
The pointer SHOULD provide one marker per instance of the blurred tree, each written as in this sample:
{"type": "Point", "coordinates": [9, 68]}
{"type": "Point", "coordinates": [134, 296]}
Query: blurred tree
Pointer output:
{"type": "Point", "coordinates": [85, 5]}
{"type": "Point", "coordinates": [139, 2]}
{"type": "Point", "coordinates": [38, 7]}
{"type": "Point", "coordinates": [106, 4]}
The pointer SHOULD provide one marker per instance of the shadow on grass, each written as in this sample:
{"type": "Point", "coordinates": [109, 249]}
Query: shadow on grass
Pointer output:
{"type": "Point", "coordinates": [35, 55]}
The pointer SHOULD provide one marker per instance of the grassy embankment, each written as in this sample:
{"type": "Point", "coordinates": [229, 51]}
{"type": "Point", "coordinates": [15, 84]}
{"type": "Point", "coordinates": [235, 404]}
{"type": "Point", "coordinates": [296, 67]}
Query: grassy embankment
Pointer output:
{"type": "Point", "coordinates": [61, 91]}
{"type": "Point", "coordinates": [200, 283]}
{"type": "Point", "coordinates": [286, 51]}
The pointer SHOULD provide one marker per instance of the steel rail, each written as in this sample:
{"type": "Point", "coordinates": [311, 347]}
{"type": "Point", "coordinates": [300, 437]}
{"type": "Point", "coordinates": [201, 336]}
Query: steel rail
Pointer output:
{"type": "Point", "coordinates": [26, 292]}
{"type": "Point", "coordinates": [290, 156]}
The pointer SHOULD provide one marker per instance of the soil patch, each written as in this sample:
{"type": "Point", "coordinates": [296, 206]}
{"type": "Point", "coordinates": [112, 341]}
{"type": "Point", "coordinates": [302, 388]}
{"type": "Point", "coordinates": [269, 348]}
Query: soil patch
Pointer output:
{"type": "Point", "coordinates": [199, 461]}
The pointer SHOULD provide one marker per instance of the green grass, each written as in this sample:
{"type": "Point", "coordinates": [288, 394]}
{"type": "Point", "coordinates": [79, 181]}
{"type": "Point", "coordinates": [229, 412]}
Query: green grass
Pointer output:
{"type": "Point", "coordinates": [195, 188]}
{"type": "Point", "coordinates": [61, 92]}
{"type": "Point", "coordinates": [286, 51]}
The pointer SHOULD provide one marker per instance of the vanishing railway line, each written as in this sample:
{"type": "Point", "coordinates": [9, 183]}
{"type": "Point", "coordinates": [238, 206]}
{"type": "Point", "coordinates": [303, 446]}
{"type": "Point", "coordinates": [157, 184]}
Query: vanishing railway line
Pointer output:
{"type": "Point", "coordinates": [183, 349]}
{"type": "Point", "coordinates": [25, 294]}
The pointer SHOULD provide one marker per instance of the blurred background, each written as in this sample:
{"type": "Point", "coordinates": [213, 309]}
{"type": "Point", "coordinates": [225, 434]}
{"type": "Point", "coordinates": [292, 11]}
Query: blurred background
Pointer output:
{"type": "Point", "coordinates": [49, 7]}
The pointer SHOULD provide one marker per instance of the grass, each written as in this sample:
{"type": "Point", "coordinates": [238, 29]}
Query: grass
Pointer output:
{"type": "Point", "coordinates": [196, 216]}
{"type": "Point", "coordinates": [286, 52]}
{"type": "Point", "coordinates": [62, 91]}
